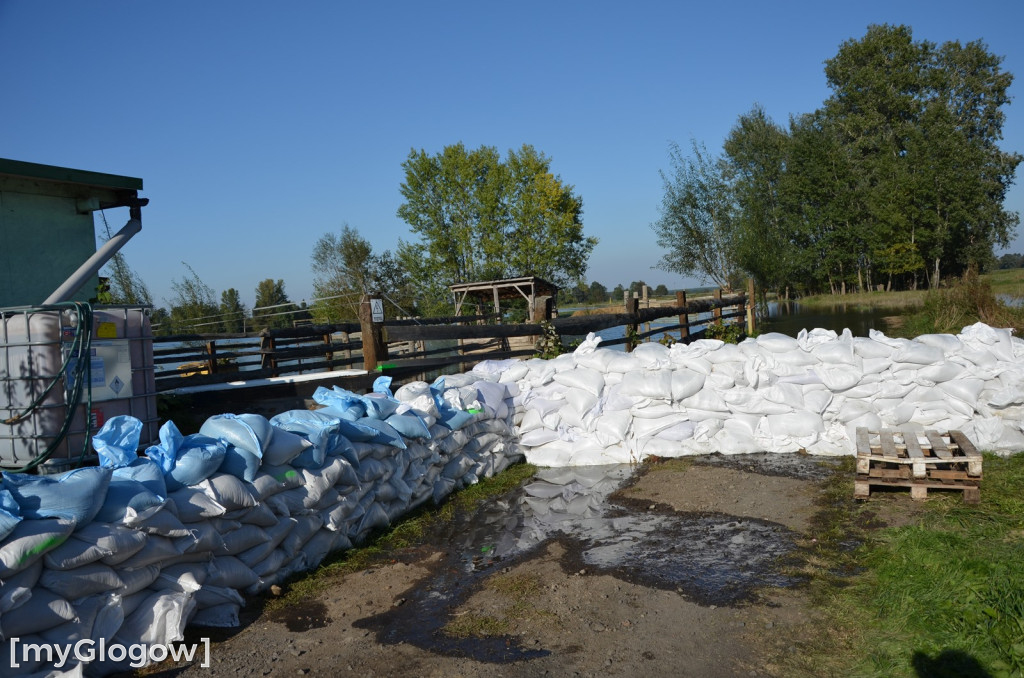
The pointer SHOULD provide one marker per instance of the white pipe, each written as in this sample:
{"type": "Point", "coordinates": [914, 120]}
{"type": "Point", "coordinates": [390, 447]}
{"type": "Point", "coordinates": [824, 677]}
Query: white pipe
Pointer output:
{"type": "Point", "coordinates": [94, 263]}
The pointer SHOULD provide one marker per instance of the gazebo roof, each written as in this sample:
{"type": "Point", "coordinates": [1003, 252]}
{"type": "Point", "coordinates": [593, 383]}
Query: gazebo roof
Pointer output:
{"type": "Point", "coordinates": [527, 287]}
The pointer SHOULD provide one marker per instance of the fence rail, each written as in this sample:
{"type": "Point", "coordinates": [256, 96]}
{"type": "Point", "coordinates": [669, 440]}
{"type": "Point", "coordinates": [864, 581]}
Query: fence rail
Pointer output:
{"type": "Point", "coordinates": [407, 347]}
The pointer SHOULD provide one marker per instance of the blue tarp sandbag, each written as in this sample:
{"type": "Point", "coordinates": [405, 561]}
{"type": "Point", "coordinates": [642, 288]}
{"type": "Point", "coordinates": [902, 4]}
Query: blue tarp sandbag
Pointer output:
{"type": "Point", "coordinates": [147, 472]}
{"type": "Point", "coordinates": [249, 432]}
{"type": "Point", "coordinates": [10, 513]}
{"type": "Point", "coordinates": [339, 402]}
{"type": "Point", "coordinates": [76, 495]}
{"type": "Point", "coordinates": [117, 442]}
{"type": "Point", "coordinates": [186, 460]}
{"type": "Point", "coordinates": [410, 425]}
{"type": "Point", "coordinates": [384, 433]}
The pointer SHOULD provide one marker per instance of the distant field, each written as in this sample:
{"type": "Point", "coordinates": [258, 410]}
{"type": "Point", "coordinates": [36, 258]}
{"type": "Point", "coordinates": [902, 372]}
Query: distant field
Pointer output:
{"type": "Point", "coordinates": [1007, 281]}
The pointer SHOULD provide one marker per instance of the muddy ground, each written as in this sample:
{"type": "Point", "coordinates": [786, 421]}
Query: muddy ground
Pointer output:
{"type": "Point", "coordinates": [633, 594]}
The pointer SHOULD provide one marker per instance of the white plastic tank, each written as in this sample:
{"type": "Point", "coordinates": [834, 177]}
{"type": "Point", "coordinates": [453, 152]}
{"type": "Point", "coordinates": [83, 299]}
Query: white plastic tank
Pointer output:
{"type": "Point", "coordinates": [35, 342]}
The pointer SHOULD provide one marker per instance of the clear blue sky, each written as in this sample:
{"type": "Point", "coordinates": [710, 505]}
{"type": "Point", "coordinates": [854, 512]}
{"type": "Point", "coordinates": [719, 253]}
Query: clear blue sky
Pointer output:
{"type": "Point", "coordinates": [259, 126]}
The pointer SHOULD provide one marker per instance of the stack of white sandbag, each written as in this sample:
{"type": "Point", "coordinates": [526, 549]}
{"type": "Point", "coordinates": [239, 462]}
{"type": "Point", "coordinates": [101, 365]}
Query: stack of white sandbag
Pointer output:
{"type": "Point", "coordinates": [770, 393]}
{"type": "Point", "coordinates": [132, 551]}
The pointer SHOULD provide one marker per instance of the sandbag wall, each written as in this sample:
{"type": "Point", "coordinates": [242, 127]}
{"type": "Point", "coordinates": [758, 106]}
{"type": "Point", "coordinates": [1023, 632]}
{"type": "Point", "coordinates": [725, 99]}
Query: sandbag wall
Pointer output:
{"type": "Point", "coordinates": [771, 393]}
{"type": "Point", "coordinates": [134, 550]}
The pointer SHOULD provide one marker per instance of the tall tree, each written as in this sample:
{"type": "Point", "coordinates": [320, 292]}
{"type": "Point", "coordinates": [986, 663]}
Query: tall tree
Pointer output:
{"type": "Point", "coordinates": [126, 285]}
{"type": "Point", "coordinates": [193, 309]}
{"type": "Point", "coordinates": [273, 308]}
{"type": "Point", "coordinates": [345, 268]}
{"type": "Point", "coordinates": [479, 218]}
{"type": "Point", "coordinates": [232, 311]}
{"type": "Point", "coordinates": [756, 150]}
{"type": "Point", "coordinates": [698, 213]}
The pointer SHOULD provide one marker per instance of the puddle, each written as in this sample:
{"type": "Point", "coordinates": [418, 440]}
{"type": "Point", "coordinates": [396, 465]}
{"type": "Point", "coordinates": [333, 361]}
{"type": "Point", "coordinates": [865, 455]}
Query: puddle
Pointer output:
{"type": "Point", "coordinates": [302, 616]}
{"type": "Point", "coordinates": [713, 559]}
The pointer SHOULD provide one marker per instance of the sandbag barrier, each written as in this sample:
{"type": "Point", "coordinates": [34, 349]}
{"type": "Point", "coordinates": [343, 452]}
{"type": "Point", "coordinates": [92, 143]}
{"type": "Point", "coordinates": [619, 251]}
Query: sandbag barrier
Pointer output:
{"type": "Point", "coordinates": [130, 552]}
{"type": "Point", "coordinates": [770, 393]}
{"type": "Point", "coordinates": [133, 550]}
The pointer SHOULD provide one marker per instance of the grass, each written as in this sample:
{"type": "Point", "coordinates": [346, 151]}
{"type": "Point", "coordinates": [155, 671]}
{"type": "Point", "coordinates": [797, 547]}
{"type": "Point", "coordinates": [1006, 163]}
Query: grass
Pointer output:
{"type": "Point", "coordinates": [517, 593]}
{"type": "Point", "coordinates": [1008, 281]}
{"type": "Point", "coordinates": [943, 596]}
{"type": "Point", "coordinates": [408, 532]}
{"type": "Point", "coordinates": [968, 300]}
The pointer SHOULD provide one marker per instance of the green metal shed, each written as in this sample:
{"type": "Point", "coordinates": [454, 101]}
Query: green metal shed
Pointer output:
{"type": "Point", "coordinates": [47, 229]}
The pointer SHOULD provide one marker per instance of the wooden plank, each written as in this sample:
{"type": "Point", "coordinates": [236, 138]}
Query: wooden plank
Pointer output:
{"type": "Point", "coordinates": [863, 450]}
{"type": "Point", "coordinates": [939, 448]}
{"type": "Point", "coordinates": [887, 443]}
{"type": "Point", "coordinates": [913, 446]}
{"type": "Point", "coordinates": [974, 458]}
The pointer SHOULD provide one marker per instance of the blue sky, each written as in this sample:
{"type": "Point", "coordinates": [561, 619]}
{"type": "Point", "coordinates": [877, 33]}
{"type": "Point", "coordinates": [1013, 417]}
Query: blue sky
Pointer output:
{"type": "Point", "coordinates": [259, 126]}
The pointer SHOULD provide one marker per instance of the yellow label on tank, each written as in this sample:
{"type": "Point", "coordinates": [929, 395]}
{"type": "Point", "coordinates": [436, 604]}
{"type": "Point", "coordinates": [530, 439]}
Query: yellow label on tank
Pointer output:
{"type": "Point", "coordinates": [106, 331]}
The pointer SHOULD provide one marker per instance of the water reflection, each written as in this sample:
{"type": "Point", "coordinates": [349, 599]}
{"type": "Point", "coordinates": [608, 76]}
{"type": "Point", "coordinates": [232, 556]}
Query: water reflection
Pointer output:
{"type": "Point", "coordinates": [713, 559]}
{"type": "Point", "coordinates": [791, 317]}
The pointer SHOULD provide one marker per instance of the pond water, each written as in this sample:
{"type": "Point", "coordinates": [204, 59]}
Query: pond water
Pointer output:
{"type": "Point", "coordinates": [791, 317]}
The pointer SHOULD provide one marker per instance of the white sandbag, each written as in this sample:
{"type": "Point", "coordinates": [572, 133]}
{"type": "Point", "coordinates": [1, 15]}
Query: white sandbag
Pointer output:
{"type": "Point", "coordinates": [686, 383]}
{"type": "Point", "coordinates": [918, 353]}
{"type": "Point", "coordinates": [680, 431]}
{"type": "Point", "coordinates": [158, 620]}
{"type": "Point", "coordinates": [133, 581]}
{"type": "Point", "coordinates": [224, 615]}
{"type": "Point", "coordinates": [82, 581]}
{"type": "Point", "coordinates": [17, 589]}
{"type": "Point", "coordinates": [275, 535]}
{"type": "Point", "coordinates": [229, 491]}
{"type": "Point", "coordinates": [776, 342]}
{"type": "Point", "coordinates": [243, 539]}
{"type": "Point", "coordinates": [537, 437]}
{"type": "Point", "coordinates": [581, 377]}
{"type": "Point", "coordinates": [31, 540]}
{"type": "Point", "coordinates": [838, 379]}
{"type": "Point", "coordinates": [965, 390]}
{"type": "Point", "coordinates": [647, 384]}
{"type": "Point", "coordinates": [43, 610]}
{"type": "Point", "coordinates": [193, 504]}
{"type": "Point", "coordinates": [653, 355]}
{"type": "Point", "coordinates": [644, 428]}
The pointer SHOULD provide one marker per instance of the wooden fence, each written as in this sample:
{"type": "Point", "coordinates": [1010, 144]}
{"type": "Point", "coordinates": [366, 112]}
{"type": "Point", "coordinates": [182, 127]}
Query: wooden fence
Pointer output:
{"type": "Point", "coordinates": [411, 348]}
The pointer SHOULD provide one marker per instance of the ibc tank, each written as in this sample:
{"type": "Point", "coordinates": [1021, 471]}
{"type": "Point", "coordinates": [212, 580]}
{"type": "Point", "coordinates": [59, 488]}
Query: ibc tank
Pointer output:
{"type": "Point", "coordinates": [34, 343]}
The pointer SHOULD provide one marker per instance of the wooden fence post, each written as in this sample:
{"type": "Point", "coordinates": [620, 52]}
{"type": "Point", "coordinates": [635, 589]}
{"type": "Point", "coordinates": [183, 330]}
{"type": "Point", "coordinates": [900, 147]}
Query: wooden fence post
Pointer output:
{"type": "Point", "coordinates": [267, 348]}
{"type": "Point", "coordinates": [716, 313]}
{"type": "Point", "coordinates": [632, 306]}
{"type": "Point", "coordinates": [751, 314]}
{"type": "Point", "coordinates": [374, 348]}
{"type": "Point", "coordinates": [684, 319]}
{"type": "Point", "coordinates": [211, 357]}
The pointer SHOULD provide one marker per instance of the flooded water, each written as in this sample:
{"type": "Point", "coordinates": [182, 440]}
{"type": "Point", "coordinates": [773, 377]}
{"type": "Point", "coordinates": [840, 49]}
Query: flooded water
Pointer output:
{"type": "Point", "coordinates": [712, 559]}
{"type": "Point", "coordinates": [789, 318]}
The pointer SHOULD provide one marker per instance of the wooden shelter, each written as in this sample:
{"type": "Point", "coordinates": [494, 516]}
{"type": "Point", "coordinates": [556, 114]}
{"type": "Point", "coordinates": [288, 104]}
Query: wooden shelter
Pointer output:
{"type": "Point", "coordinates": [539, 294]}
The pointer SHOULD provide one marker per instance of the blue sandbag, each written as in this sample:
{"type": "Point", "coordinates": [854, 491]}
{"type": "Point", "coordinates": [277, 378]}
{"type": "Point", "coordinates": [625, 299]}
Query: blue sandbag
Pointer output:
{"type": "Point", "coordinates": [76, 495]}
{"type": "Point", "coordinates": [384, 433]}
{"type": "Point", "coordinates": [10, 513]}
{"type": "Point", "coordinates": [379, 406]}
{"type": "Point", "coordinates": [117, 443]}
{"type": "Point", "coordinates": [186, 460]}
{"type": "Point", "coordinates": [147, 472]}
{"type": "Point", "coordinates": [249, 432]}
{"type": "Point", "coordinates": [321, 430]}
{"type": "Point", "coordinates": [382, 385]}
{"type": "Point", "coordinates": [339, 402]}
{"type": "Point", "coordinates": [410, 425]}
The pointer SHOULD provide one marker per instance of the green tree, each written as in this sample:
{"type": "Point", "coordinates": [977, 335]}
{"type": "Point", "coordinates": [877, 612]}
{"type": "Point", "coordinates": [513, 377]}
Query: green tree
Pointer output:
{"type": "Point", "coordinates": [597, 293]}
{"type": "Point", "coordinates": [126, 286]}
{"type": "Point", "coordinates": [273, 309]}
{"type": "Point", "coordinates": [698, 213]}
{"type": "Point", "coordinates": [232, 311]}
{"type": "Point", "coordinates": [479, 218]}
{"type": "Point", "coordinates": [661, 290]}
{"type": "Point", "coordinates": [345, 268]}
{"type": "Point", "coordinates": [193, 309]}
{"type": "Point", "coordinates": [756, 150]}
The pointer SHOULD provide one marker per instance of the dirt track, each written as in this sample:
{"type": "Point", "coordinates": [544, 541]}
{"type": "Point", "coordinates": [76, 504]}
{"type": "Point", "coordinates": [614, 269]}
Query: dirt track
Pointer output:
{"type": "Point", "coordinates": [549, 612]}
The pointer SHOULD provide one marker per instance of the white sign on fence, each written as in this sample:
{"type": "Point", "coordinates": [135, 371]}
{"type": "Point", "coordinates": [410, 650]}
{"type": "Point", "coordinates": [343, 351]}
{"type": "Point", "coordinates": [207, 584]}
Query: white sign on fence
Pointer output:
{"type": "Point", "coordinates": [377, 310]}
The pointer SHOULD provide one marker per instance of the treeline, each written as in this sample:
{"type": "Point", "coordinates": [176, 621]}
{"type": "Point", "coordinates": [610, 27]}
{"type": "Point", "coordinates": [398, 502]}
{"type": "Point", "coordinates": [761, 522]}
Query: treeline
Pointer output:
{"type": "Point", "coordinates": [897, 180]}
{"type": "Point", "coordinates": [596, 293]}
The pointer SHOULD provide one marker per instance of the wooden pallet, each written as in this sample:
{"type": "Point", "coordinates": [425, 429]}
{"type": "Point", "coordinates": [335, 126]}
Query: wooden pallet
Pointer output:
{"type": "Point", "coordinates": [899, 458]}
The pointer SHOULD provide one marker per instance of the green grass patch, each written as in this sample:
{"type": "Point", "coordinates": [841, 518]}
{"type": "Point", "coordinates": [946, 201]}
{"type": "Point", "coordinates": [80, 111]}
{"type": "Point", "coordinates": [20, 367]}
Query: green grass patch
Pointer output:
{"type": "Point", "coordinates": [408, 532]}
{"type": "Point", "coordinates": [1006, 281]}
{"type": "Point", "coordinates": [943, 596]}
{"type": "Point", "coordinates": [517, 594]}
{"type": "Point", "coordinates": [964, 302]}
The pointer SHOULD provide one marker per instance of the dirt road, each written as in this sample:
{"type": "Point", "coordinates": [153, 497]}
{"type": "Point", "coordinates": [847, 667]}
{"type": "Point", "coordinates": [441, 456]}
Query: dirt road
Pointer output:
{"type": "Point", "coordinates": [682, 572]}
